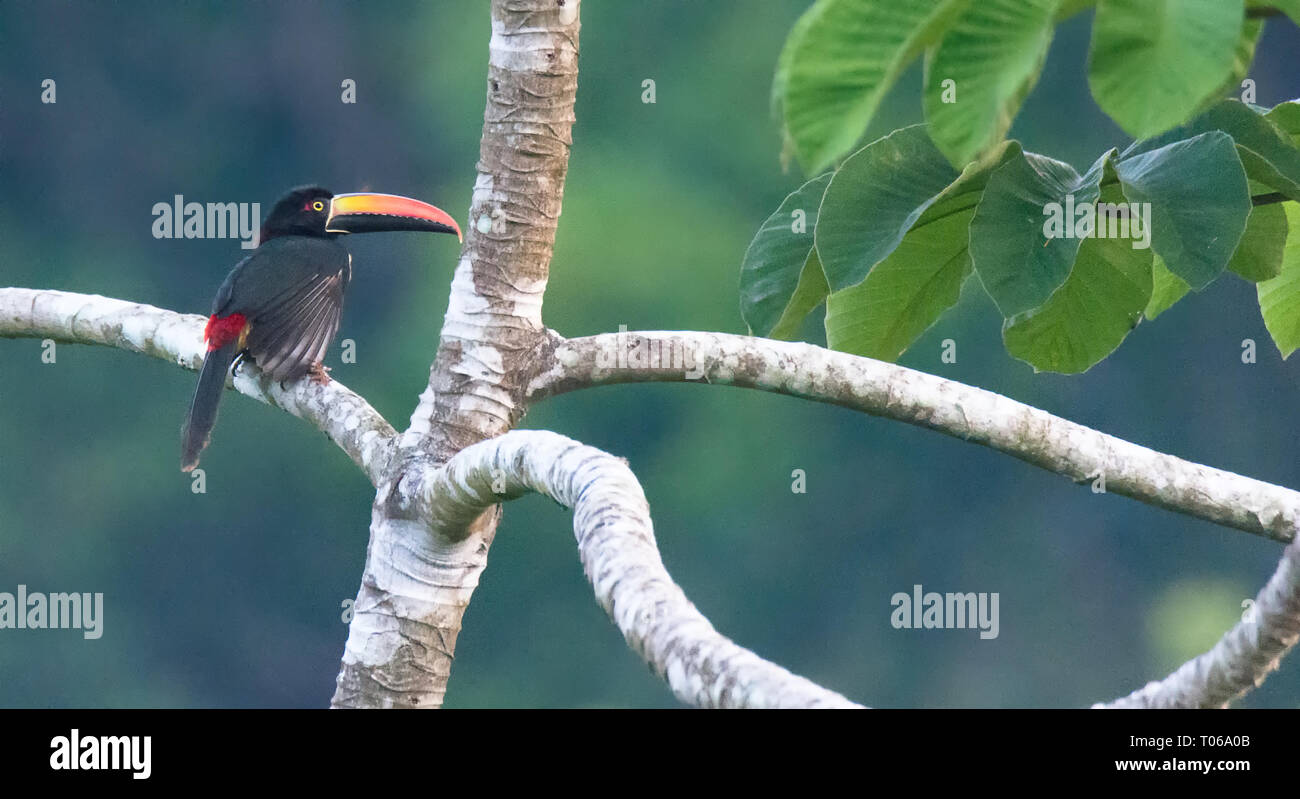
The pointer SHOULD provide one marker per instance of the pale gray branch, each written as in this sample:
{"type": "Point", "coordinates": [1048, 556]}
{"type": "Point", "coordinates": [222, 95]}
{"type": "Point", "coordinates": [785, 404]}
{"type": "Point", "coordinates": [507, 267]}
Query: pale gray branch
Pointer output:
{"type": "Point", "coordinates": [356, 427]}
{"type": "Point", "coordinates": [611, 521]}
{"type": "Point", "coordinates": [1242, 658]}
{"type": "Point", "coordinates": [896, 392]}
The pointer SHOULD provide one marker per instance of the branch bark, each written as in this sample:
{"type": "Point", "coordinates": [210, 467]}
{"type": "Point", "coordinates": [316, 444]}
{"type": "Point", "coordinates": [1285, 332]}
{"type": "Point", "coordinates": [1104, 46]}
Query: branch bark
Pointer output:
{"type": "Point", "coordinates": [426, 565]}
{"type": "Point", "coordinates": [1245, 655]}
{"type": "Point", "coordinates": [350, 421]}
{"type": "Point", "coordinates": [906, 395]}
{"type": "Point", "coordinates": [611, 521]}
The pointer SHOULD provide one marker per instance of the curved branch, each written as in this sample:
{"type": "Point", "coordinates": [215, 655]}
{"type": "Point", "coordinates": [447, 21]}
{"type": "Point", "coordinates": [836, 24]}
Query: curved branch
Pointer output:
{"type": "Point", "coordinates": [925, 400]}
{"type": "Point", "coordinates": [611, 521]}
{"type": "Point", "coordinates": [356, 427]}
{"type": "Point", "coordinates": [1242, 658]}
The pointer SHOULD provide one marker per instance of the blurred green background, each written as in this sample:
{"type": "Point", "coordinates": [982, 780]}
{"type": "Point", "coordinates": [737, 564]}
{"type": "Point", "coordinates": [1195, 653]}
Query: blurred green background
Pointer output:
{"type": "Point", "coordinates": [233, 597]}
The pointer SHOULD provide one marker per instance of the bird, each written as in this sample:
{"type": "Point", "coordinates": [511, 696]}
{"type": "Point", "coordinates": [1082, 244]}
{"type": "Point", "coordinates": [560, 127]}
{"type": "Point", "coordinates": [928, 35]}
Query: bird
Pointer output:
{"type": "Point", "coordinates": [281, 305]}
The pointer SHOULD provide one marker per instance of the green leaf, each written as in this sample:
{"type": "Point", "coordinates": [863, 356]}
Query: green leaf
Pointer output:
{"type": "Point", "coordinates": [773, 268]}
{"type": "Point", "coordinates": [1242, 58]}
{"type": "Point", "coordinates": [842, 61]}
{"type": "Point", "coordinates": [1259, 255]}
{"type": "Point", "coordinates": [1199, 203]}
{"type": "Point", "coordinates": [874, 199]}
{"type": "Point", "coordinates": [1153, 62]}
{"type": "Point", "coordinates": [993, 53]}
{"type": "Point", "coordinates": [907, 292]}
{"type": "Point", "coordinates": [1286, 118]}
{"type": "Point", "coordinates": [1279, 298]}
{"type": "Point", "coordinates": [782, 77]}
{"type": "Point", "coordinates": [1090, 315]}
{"type": "Point", "coordinates": [1268, 154]}
{"type": "Point", "coordinates": [1166, 289]}
{"type": "Point", "coordinates": [1289, 7]}
{"type": "Point", "coordinates": [810, 293]}
{"type": "Point", "coordinates": [1018, 264]}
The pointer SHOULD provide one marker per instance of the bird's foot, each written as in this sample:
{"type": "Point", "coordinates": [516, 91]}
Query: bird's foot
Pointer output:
{"type": "Point", "coordinates": [320, 374]}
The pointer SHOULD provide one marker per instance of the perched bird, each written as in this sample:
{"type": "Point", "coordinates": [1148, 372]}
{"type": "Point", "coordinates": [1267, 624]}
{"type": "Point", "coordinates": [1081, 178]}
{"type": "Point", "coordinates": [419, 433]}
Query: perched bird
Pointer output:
{"type": "Point", "coordinates": [281, 305]}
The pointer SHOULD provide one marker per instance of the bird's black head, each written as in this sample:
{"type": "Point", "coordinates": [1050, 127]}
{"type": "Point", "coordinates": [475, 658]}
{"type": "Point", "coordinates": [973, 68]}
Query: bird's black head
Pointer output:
{"type": "Point", "coordinates": [313, 211]}
{"type": "Point", "coordinates": [301, 212]}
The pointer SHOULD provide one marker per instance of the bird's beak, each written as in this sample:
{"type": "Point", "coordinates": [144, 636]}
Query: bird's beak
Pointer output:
{"type": "Point", "coordinates": [377, 213]}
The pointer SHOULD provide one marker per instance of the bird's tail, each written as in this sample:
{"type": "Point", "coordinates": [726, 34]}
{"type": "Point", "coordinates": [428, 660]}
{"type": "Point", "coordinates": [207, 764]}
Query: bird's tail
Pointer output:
{"type": "Point", "coordinates": [203, 409]}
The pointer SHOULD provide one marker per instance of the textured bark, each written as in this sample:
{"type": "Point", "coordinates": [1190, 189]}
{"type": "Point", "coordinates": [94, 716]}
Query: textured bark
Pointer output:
{"type": "Point", "coordinates": [430, 525]}
{"type": "Point", "coordinates": [430, 530]}
{"type": "Point", "coordinates": [1245, 655]}
{"type": "Point", "coordinates": [896, 392]}
{"type": "Point", "coordinates": [611, 521]}
{"type": "Point", "coordinates": [415, 591]}
{"type": "Point", "coordinates": [357, 428]}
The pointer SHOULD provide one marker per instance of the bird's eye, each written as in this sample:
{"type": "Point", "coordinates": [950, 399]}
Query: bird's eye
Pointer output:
{"type": "Point", "coordinates": [318, 206]}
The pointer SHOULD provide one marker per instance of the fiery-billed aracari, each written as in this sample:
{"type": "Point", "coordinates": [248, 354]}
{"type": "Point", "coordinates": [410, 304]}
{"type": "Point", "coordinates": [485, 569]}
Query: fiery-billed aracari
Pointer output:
{"type": "Point", "coordinates": [282, 304]}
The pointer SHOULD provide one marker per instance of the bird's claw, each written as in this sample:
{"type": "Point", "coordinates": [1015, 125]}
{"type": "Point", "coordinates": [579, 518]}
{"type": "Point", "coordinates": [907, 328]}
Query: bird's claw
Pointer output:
{"type": "Point", "coordinates": [320, 374]}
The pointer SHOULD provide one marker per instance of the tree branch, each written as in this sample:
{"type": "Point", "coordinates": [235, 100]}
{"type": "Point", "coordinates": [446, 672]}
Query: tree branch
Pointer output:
{"type": "Point", "coordinates": [423, 581]}
{"type": "Point", "coordinates": [1242, 658]}
{"type": "Point", "coordinates": [896, 392]}
{"type": "Point", "coordinates": [350, 421]}
{"type": "Point", "coordinates": [611, 521]}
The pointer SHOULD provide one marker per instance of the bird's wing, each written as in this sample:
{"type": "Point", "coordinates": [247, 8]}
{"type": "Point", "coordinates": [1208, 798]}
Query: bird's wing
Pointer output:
{"type": "Point", "coordinates": [293, 298]}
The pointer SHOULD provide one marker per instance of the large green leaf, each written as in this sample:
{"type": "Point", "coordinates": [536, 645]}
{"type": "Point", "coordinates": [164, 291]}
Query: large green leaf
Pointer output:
{"type": "Point", "coordinates": [1199, 202]}
{"type": "Point", "coordinates": [993, 54]}
{"type": "Point", "coordinates": [874, 199]}
{"type": "Point", "coordinates": [1286, 118]}
{"type": "Point", "coordinates": [1242, 58]}
{"type": "Point", "coordinates": [905, 294]}
{"type": "Point", "coordinates": [782, 76]}
{"type": "Point", "coordinates": [1259, 255]}
{"type": "Point", "coordinates": [1279, 298]}
{"type": "Point", "coordinates": [1090, 315]}
{"type": "Point", "coordinates": [1153, 62]}
{"type": "Point", "coordinates": [808, 294]}
{"type": "Point", "coordinates": [1166, 289]}
{"type": "Point", "coordinates": [840, 63]}
{"type": "Point", "coordinates": [774, 265]}
{"type": "Point", "coordinates": [1268, 154]}
{"type": "Point", "coordinates": [917, 282]}
{"type": "Point", "coordinates": [1019, 265]}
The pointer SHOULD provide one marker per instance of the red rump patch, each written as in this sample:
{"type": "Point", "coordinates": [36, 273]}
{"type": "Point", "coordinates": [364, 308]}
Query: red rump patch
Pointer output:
{"type": "Point", "coordinates": [222, 330]}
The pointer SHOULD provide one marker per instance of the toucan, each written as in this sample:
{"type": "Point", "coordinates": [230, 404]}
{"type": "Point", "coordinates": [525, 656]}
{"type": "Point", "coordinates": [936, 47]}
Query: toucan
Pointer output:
{"type": "Point", "coordinates": [281, 305]}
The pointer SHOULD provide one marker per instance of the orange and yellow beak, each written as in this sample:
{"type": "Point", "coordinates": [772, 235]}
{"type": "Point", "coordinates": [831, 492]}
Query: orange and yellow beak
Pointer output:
{"type": "Point", "coordinates": [378, 213]}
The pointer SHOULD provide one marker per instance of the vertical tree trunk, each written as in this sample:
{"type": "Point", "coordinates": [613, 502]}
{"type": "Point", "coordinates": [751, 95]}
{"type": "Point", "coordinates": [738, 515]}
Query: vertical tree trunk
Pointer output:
{"type": "Point", "coordinates": [415, 588]}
